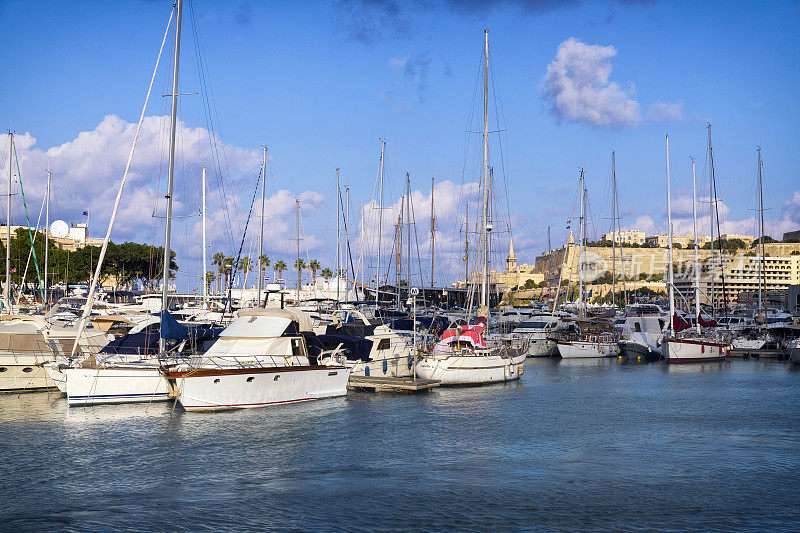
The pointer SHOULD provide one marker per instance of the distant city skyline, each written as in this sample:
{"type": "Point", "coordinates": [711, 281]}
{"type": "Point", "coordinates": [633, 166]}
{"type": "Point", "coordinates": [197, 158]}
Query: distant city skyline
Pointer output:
{"type": "Point", "coordinates": [320, 83]}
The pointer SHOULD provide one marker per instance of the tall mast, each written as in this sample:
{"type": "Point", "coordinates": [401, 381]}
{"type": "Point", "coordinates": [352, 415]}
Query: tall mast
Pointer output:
{"type": "Point", "coordinates": [761, 279]}
{"type": "Point", "coordinates": [711, 206]}
{"type": "Point", "coordinates": [297, 227]}
{"type": "Point", "coordinates": [7, 285]}
{"type": "Point", "coordinates": [669, 232]}
{"type": "Point", "coordinates": [408, 231]}
{"type": "Point", "coordinates": [433, 229]}
{"type": "Point", "coordinates": [485, 221]}
{"type": "Point", "coordinates": [466, 245]}
{"type": "Point", "coordinates": [581, 310]}
{"type": "Point", "coordinates": [171, 170]}
{"type": "Point", "coordinates": [205, 267]}
{"type": "Point", "coordinates": [338, 243]}
{"type": "Point", "coordinates": [613, 230]}
{"type": "Point", "coordinates": [380, 226]}
{"type": "Point", "coordinates": [399, 245]}
{"type": "Point", "coordinates": [47, 236]}
{"type": "Point", "coordinates": [260, 266]}
{"type": "Point", "coordinates": [361, 265]}
{"type": "Point", "coordinates": [347, 239]}
{"type": "Point", "coordinates": [696, 262]}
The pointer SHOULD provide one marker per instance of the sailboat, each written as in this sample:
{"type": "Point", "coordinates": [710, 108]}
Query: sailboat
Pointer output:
{"type": "Point", "coordinates": [688, 347]}
{"type": "Point", "coordinates": [590, 337]}
{"type": "Point", "coordinates": [462, 356]}
{"type": "Point", "coordinates": [121, 378]}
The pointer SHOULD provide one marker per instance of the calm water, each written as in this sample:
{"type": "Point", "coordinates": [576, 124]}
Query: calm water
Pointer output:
{"type": "Point", "coordinates": [588, 445]}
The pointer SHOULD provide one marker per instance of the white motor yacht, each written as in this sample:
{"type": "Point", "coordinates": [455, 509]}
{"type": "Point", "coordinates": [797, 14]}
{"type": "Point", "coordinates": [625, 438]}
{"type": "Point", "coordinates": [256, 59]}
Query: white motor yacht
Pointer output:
{"type": "Point", "coordinates": [643, 331]}
{"type": "Point", "coordinates": [260, 359]}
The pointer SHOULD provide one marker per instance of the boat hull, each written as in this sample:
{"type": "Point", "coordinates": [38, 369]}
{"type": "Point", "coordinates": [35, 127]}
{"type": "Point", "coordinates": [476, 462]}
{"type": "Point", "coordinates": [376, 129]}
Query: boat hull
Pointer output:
{"type": "Point", "coordinates": [541, 348]}
{"type": "Point", "coordinates": [115, 385]}
{"type": "Point", "coordinates": [471, 369]}
{"type": "Point", "coordinates": [586, 349]}
{"type": "Point", "coordinates": [246, 388]}
{"type": "Point", "coordinates": [694, 351]}
{"type": "Point", "coordinates": [22, 373]}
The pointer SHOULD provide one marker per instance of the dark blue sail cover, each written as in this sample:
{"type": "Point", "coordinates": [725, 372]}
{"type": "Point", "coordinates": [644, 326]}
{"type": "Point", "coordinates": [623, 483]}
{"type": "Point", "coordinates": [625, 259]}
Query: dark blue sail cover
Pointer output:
{"type": "Point", "coordinates": [172, 329]}
{"type": "Point", "coordinates": [356, 348]}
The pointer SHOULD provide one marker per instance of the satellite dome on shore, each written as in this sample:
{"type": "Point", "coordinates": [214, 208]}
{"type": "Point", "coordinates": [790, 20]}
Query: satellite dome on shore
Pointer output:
{"type": "Point", "coordinates": [59, 229]}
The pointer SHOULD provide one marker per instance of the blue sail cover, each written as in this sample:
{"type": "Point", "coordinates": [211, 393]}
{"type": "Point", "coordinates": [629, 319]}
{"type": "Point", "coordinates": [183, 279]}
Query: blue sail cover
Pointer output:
{"type": "Point", "coordinates": [170, 329]}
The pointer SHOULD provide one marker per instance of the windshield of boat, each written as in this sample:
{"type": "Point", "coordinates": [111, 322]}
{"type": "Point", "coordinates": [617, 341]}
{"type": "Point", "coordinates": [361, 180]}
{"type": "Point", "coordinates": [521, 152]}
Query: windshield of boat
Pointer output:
{"type": "Point", "coordinates": [533, 324]}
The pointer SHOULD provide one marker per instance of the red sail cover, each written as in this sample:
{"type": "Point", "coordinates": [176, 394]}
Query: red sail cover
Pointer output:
{"type": "Point", "coordinates": [706, 323]}
{"type": "Point", "coordinates": [471, 334]}
{"type": "Point", "coordinates": [678, 324]}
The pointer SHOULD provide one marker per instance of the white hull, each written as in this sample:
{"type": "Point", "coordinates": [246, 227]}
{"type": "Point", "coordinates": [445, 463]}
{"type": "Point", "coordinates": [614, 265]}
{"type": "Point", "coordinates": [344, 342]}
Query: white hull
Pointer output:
{"type": "Point", "coordinates": [541, 348]}
{"type": "Point", "coordinates": [748, 344]}
{"type": "Point", "coordinates": [211, 389]}
{"type": "Point", "coordinates": [585, 349]}
{"type": "Point", "coordinates": [693, 351]}
{"type": "Point", "coordinates": [21, 373]}
{"type": "Point", "coordinates": [55, 372]}
{"type": "Point", "coordinates": [114, 385]}
{"type": "Point", "coordinates": [470, 369]}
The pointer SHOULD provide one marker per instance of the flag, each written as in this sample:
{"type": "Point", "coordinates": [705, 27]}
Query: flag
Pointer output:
{"type": "Point", "coordinates": [13, 270]}
{"type": "Point", "coordinates": [590, 294]}
{"type": "Point", "coordinates": [86, 213]}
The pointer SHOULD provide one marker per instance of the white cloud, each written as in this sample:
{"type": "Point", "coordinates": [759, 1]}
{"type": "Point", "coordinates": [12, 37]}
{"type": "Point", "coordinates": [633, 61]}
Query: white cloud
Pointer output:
{"type": "Point", "coordinates": [578, 88]}
{"type": "Point", "coordinates": [665, 112]}
{"type": "Point", "coordinates": [87, 171]}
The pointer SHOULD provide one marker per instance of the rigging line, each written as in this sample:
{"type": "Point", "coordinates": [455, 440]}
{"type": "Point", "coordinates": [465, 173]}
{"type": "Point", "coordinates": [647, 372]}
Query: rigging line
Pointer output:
{"type": "Point", "coordinates": [419, 259]}
{"type": "Point", "coordinates": [206, 95]}
{"type": "Point", "coordinates": [501, 127]}
{"type": "Point", "coordinates": [30, 252]}
{"type": "Point", "coordinates": [235, 268]}
{"type": "Point", "coordinates": [30, 233]}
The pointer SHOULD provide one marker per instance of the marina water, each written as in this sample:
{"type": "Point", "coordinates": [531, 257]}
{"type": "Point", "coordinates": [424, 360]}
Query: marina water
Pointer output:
{"type": "Point", "coordinates": [596, 444]}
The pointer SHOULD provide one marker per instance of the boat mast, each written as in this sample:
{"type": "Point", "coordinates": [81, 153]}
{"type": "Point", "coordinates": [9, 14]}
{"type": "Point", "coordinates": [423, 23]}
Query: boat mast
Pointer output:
{"type": "Point", "coordinates": [338, 243]}
{"type": "Point", "coordinates": [408, 232]}
{"type": "Point", "coordinates": [398, 242]}
{"type": "Point", "coordinates": [361, 265]}
{"type": "Point", "coordinates": [696, 266]}
{"type": "Point", "coordinates": [669, 232]}
{"type": "Point", "coordinates": [7, 287]}
{"type": "Point", "coordinates": [380, 226]}
{"type": "Point", "coordinates": [205, 267]}
{"type": "Point", "coordinates": [761, 280]}
{"type": "Point", "coordinates": [47, 236]}
{"type": "Point", "coordinates": [260, 284]}
{"type": "Point", "coordinates": [581, 310]}
{"type": "Point", "coordinates": [466, 244]}
{"type": "Point", "coordinates": [347, 241]}
{"type": "Point", "coordinates": [297, 226]}
{"type": "Point", "coordinates": [433, 229]}
{"type": "Point", "coordinates": [711, 206]}
{"type": "Point", "coordinates": [485, 221]}
{"type": "Point", "coordinates": [171, 169]}
{"type": "Point", "coordinates": [613, 230]}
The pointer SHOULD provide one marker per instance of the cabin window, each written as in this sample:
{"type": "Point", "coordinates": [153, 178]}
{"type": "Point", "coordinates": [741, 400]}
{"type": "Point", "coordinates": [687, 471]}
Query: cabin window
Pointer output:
{"type": "Point", "coordinates": [250, 379]}
{"type": "Point", "coordinates": [276, 377]}
{"type": "Point", "coordinates": [27, 369]}
{"type": "Point", "coordinates": [3, 369]}
{"type": "Point", "coordinates": [216, 380]}
{"type": "Point", "coordinates": [637, 328]}
{"type": "Point", "coordinates": [296, 347]}
{"type": "Point", "coordinates": [384, 344]}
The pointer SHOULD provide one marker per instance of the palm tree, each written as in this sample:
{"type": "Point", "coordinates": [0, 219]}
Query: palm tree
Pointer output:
{"type": "Point", "coordinates": [210, 277]}
{"type": "Point", "coordinates": [246, 266]}
{"type": "Point", "coordinates": [227, 268]}
{"type": "Point", "coordinates": [280, 266]}
{"type": "Point", "coordinates": [218, 259]}
{"type": "Point", "coordinates": [299, 265]}
{"type": "Point", "coordinates": [326, 273]}
{"type": "Point", "coordinates": [314, 266]}
{"type": "Point", "coordinates": [263, 263]}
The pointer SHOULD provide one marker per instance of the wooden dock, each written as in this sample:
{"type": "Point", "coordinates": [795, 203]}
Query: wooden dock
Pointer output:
{"type": "Point", "coordinates": [389, 384]}
{"type": "Point", "coordinates": [758, 353]}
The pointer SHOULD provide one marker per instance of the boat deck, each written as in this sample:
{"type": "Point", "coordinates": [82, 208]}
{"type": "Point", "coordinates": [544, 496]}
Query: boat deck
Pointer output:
{"type": "Point", "coordinates": [389, 384]}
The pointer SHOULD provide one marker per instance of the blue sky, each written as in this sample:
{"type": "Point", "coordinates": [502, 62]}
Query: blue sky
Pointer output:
{"type": "Point", "coordinates": [321, 82]}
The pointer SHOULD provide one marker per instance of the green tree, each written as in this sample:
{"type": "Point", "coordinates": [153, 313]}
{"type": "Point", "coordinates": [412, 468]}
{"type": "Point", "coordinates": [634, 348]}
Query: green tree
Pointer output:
{"type": "Point", "coordinates": [210, 277]}
{"type": "Point", "coordinates": [281, 267]}
{"type": "Point", "coordinates": [299, 265]}
{"type": "Point", "coordinates": [218, 260]}
{"type": "Point", "coordinates": [263, 263]}
{"type": "Point", "coordinates": [326, 273]}
{"type": "Point", "coordinates": [314, 266]}
{"type": "Point", "coordinates": [227, 269]}
{"type": "Point", "coordinates": [246, 266]}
